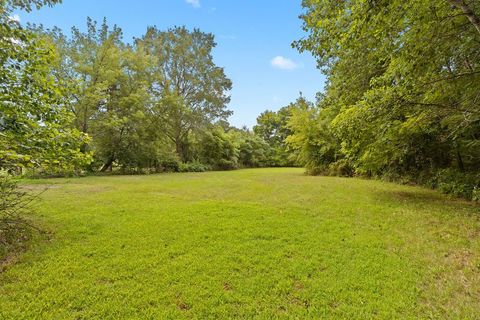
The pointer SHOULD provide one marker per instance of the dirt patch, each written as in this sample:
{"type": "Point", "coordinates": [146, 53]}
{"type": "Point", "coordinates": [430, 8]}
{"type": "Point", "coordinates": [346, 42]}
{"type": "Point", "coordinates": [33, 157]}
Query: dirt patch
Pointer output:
{"type": "Point", "coordinates": [456, 281]}
{"type": "Point", "coordinates": [460, 259]}
{"type": "Point", "coordinates": [227, 286]}
{"type": "Point", "coordinates": [183, 306]}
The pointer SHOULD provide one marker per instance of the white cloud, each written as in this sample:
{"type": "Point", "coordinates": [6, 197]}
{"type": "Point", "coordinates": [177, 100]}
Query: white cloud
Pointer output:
{"type": "Point", "coordinates": [194, 3]}
{"type": "Point", "coordinates": [283, 63]}
{"type": "Point", "coordinates": [15, 17]}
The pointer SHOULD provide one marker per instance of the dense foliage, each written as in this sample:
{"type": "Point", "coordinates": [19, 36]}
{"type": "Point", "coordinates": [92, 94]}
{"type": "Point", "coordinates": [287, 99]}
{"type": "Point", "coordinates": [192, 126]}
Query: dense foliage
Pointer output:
{"type": "Point", "coordinates": [36, 131]}
{"type": "Point", "coordinates": [35, 125]}
{"type": "Point", "coordinates": [157, 104]}
{"type": "Point", "coordinates": [272, 126]}
{"type": "Point", "coordinates": [402, 97]}
{"type": "Point", "coordinates": [90, 101]}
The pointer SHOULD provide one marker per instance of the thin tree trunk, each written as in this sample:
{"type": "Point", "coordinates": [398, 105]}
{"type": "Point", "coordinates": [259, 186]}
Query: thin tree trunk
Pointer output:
{"type": "Point", "coordinates": [179, 149]}
{"type": "Point", "coordinates": [108, 164]}
{"type": "Point", "coordinates": [474, 19]}
{"type": "Point", "coordinates": [460, 161]}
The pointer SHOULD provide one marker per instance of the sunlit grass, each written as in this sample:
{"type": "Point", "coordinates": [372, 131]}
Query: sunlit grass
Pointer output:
{"type": "Point", "coordinates": [264, 243]}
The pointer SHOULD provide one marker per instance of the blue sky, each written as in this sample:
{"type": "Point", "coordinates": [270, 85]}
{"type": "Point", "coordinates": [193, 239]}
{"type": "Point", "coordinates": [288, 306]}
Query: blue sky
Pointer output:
{"type": "Point", "coordinates": [253, 42]}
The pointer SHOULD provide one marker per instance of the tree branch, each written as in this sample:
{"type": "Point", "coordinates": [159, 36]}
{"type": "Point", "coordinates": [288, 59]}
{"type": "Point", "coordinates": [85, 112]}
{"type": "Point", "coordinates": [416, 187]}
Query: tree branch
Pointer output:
{"type": "Point", "coordinates": [472, 17]}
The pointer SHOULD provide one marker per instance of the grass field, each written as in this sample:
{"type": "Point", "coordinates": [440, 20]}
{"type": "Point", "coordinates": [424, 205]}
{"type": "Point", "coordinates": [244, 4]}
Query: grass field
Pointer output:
{"type": "Point", "coordinates": [262, 243]}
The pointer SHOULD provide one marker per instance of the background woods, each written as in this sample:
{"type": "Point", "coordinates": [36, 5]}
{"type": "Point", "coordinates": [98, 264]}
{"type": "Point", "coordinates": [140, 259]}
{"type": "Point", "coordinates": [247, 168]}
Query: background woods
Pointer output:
{"type": "Point", "coordinates": [403, 92]}
{"type": "Point", "coordinates": [401, 99]}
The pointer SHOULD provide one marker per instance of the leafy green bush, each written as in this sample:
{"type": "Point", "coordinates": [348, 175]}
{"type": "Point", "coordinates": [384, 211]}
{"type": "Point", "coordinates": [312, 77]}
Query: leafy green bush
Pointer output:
{"type": "Point", "coordinates": [167, 162]}
{"type": "Point", "coordinates": [476, 194]}
{"type": "Point", "coordinates": [254, 151]}
{"type": "Point", "coordinates": [457, 183]}
{"type": "Point", "coordinates": [313, 170]}
{"type": "Point", "coordinates": [169, 165]}
{"type": "Point", "coordinates": [219, 150]}
{"type": "Point", "coordinates": [193, 167]}
{"type": "Point", "coordinates": [341, 168]}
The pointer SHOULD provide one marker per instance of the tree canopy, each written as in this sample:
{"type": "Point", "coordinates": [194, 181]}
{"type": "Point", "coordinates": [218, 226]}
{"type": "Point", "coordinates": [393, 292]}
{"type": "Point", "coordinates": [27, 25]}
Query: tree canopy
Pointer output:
{"type": "Point", "coordinates": [400, 102]}
{"type": "Point", "coordinates": [188, 90]}
{"type": "Point", "coordinates": [35, 124]}
{"type": "Point", "coordinates": [403, 85]}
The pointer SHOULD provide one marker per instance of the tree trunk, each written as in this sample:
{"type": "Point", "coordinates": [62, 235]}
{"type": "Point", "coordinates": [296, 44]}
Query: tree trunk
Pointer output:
{"type": "Point", "coordinates": [460, 161]}
{"type": "Point", "coordinates": [83, 129]}
{"type": "Point", "coordinates": [474, 19]}
{"type": "Point", "coordinates": [108, 164]}
{"type": "Point", "coordinates": [179, 149]}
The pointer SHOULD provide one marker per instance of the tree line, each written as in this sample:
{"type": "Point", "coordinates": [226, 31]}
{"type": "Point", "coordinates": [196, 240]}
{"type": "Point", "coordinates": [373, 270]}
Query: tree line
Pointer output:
{"type": "Point", "coordinates": [402, 99]}
{"type": "Point", "coordinates": [88, 101]}
{"type": "Point", "coordinates": [82, 102]}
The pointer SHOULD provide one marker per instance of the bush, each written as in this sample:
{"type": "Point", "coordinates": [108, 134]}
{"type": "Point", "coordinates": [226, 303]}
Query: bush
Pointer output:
{"type": "Point", "coordinates": [41, 173]}
{"type": "Point", "coordinates": [312, 170]}
{"type": "Point", "coordinates": [341, 168]}
{"type": "Point", "coordinates": [193, 167]}
{"type": "Point", "coordinates": [255, 152]}
{"type": "Point", "coordinates": [169, 164]}
{"type": "Point", "coordinates": [457, 183]}
{"type": "Point", "coordinates": [219, 150]}
{"type": "Point", "coordinates": [14, 205]}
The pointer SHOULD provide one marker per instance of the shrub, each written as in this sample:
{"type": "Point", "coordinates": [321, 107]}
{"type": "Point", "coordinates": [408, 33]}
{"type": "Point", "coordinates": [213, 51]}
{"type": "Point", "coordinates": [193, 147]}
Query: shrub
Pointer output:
{"type": "Point", "coordinates": [457, 183]}
{"type": "Point", "coordinates": [313, 170]}
{"type": "Point", "coordinates": [476, 194]}
{"type": "Point", "coordinates": [169, 164]}
{"type": "Point", "coordinates": [14, 205]}
{"type": "Point", "coordinates": [341, 168]}
{"type": "Point", "coordinates": [255, 152]}
{"type": "Point", "coordinates": [193, 167]}
{"type": "Point", "coordinates": [219, 150]}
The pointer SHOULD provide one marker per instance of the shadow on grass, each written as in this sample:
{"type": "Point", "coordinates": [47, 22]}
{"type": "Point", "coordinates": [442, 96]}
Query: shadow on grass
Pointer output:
{"type": "Point", "coordinates": [421, 197]}
{"type": "Point", "coordinates": [14, 239]}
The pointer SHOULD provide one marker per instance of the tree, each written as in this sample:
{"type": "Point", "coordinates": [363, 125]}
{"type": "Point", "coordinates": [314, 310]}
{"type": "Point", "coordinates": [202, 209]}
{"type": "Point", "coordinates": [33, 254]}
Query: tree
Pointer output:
{"type": "Point", "coordinates": [27, 5]}
{"type": "Point", "coordinates": [218, 149]}
{"type": "Point", "coordinates": [273, 128]}
{"type": "Point", "coordinates": [468, 11]}
{"type": "Point", "coordinates": [254, 151]}
{"type": "Point", "coordinates": [122, 129]}
{"type": "Point", "coordinates": [139, 102]}
{"type": "Point", "coordinates": [35, 124]}
{"type": "Point", "coordinates": [36, 130]}
{"type": "Point", "coordinates": [189, 90]}
{"type": "Point", "coordinates": [403, 82]}
{"type": "Point", "coordinates": [107, 88]}
{"type": "Point", "coordinates": [89, 64]}
{"type": "Point", "coordinates": [311, 137]}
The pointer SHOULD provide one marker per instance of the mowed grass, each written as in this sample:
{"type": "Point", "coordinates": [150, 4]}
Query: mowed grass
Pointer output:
{"type": "Point", "coordinates": [261, 243]}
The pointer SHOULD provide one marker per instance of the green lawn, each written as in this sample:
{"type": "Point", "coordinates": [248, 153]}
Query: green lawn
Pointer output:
{"type": "Point", "coordinates": [262, 243]}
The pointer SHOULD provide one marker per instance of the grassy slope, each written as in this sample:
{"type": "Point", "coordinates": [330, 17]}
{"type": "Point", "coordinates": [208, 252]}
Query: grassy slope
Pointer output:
{"type": "Point", "coordinates": [262, 243]}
